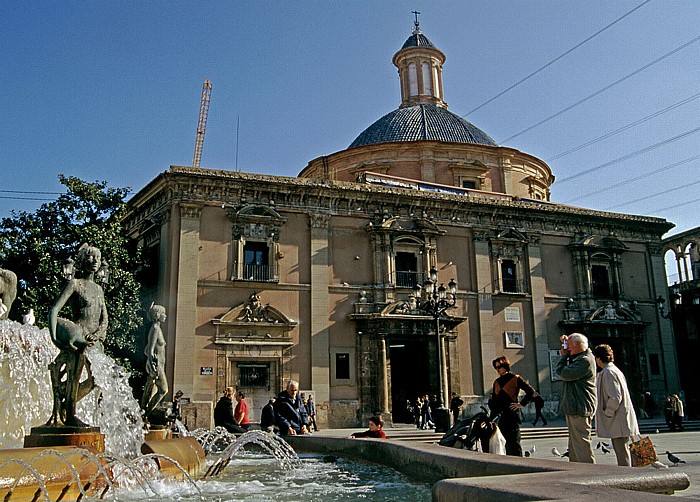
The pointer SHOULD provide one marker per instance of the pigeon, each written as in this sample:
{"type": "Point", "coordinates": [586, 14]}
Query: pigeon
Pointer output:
{"type": "Point", "coordinates": [673, 459]}
{"type": "Point", "coordinates": [531, 451]}
{"type": "Point", "coordinates": [28, 318]}
{"type": "Point", "coordinates": [605, 450]}
{"type": "Point", "coordinates": [603, 444]}
{"type": "Point", "coordinates": [659, 465]}
{"type": "Point", "coordinates": [556, 452]}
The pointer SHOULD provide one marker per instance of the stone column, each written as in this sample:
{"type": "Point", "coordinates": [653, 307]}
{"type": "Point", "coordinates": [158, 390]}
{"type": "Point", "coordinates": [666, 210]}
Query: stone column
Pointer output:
{"type": "Point", "coordinates": [320, 351]}
{"type": "Point", "coordinates": [484, 284]}
{"type": "Point", "coordinates": [665, 326]}
{"type": "Point", "coordinates": [383, 377]}
{"type": "Point", "coordinates": [539, 315]}
{"type": "Point", "coordinates": [186, 303]}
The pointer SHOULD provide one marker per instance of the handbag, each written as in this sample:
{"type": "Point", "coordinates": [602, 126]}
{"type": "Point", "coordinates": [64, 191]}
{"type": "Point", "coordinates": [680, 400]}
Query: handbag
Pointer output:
{"type": "Point", "coordinates": [643, 452]}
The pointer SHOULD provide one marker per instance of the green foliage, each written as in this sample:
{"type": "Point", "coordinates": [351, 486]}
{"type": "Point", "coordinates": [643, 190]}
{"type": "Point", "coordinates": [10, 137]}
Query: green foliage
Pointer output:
{"type": "Point", "coordinates": [35, 245]}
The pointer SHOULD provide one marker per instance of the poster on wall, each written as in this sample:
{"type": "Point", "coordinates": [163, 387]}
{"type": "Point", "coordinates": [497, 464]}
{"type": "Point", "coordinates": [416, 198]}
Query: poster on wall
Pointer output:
{"type": "Point", "coordinates": [554, 358]}
{"type": "Point", "coordinates": [514, 340]}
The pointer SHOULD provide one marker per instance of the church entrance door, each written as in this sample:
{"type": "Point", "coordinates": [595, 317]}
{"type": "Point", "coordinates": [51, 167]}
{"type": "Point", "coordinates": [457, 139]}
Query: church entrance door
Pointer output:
{"type": "Point", "coordinates": [409, 368]}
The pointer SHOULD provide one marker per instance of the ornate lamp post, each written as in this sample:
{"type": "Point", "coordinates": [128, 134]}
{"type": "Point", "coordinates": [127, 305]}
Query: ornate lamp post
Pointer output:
{"type": "Point", "coordinates": [436, 301]}
{"type": "Point", "coordinates": [661, 302]}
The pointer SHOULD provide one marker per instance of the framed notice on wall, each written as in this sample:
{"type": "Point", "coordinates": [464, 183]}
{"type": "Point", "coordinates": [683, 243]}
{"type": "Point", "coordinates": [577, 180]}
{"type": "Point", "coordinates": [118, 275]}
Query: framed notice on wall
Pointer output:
{"type": "Point", "coordinates": [514, 340]}
{"type": "Point", "coordinates": [554, 358]}
{"type": "Point", "coordinates": [512, 314]}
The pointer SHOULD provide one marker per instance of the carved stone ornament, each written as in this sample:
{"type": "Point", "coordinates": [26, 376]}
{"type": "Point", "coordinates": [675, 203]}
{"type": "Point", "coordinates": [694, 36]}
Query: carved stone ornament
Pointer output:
{"type": "Point", "coordinates": [253, 323]}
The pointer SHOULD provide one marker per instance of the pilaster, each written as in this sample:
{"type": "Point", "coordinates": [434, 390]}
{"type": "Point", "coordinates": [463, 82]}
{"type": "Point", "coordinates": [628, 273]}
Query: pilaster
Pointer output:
{"type": "Point", "coordinates": [485, 292]}
{"type": "Point", "coordinates": [320, 359]}
{"type": "Point", "coordinates": [186, 313]}
{"type": "Point", "coordinates": [539, 316]}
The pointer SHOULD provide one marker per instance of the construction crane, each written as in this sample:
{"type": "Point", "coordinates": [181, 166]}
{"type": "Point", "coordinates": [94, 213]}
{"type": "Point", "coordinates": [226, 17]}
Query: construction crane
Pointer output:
{"type": "Point", "coordinates": [202, 124]}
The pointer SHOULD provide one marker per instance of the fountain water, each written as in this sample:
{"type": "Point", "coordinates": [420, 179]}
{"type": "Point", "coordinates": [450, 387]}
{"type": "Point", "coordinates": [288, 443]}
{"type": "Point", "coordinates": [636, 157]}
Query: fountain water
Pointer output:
{"type": "Point", "coordinates": [254, 465]}
{"type": "Point", "coordinates": [26, 396]}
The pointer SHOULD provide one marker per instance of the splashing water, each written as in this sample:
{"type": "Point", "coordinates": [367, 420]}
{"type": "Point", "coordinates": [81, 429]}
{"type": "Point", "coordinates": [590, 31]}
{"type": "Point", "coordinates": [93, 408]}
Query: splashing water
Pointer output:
{"type": "Point", "coordinates": [26, 397]}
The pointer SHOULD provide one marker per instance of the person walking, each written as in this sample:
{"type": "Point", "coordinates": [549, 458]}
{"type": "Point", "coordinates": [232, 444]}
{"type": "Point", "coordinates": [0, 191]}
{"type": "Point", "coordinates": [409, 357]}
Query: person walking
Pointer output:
{"type": "Point", "coordinates": [240, 414]}
{"type": "Point", "coordinates": [427, 417]}
{"type": "Point", "coordinates": [614, 417]}
{"type": "Point", "coordinates": [678, 414]}
{"type": "Point", "coordinates": [668, 413]}
{"type": "Point", "coordinates": [311, 411]}
{"type": "Point", "coordinates": [539, 406]}
{"type": "Point", "coordinates": [290, 414]}
{"type": "Point", "coordinates": [504, 403]}
{"type": "Point", "coordinates": [577, 370]}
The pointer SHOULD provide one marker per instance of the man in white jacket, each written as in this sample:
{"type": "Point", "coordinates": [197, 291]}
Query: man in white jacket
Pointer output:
{"type": "Point", "coordinates": [614, 417]}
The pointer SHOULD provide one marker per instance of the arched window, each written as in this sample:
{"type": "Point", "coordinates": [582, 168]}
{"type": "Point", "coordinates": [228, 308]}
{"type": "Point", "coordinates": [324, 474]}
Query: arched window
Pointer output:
{"type": "Point", "coordinates": [427, 81]}
{"type": "Point", "coordinates": [412, 80]}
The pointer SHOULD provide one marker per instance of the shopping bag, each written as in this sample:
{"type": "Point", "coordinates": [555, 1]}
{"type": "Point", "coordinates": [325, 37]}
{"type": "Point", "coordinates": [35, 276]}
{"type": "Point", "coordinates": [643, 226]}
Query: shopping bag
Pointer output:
{"type": "Point", "coordinates": [643, 452]}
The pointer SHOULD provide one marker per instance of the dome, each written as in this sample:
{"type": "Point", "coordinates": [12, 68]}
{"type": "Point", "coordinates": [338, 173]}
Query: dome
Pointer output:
{"type": "Point", "coordinates": [422, 122]}
{"type": "Point", "coordinates": [417, 40]}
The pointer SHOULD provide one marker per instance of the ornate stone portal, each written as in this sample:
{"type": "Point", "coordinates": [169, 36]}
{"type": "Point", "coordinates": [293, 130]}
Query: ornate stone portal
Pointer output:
{"type": "Point", "coordinates": [251, 340]}
{"type": "Point", "coordinates": [399, 355]}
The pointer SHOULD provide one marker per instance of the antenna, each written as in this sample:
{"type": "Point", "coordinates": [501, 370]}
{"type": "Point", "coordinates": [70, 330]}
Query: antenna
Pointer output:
{"type": "Point", "coordinates": [202, 124]}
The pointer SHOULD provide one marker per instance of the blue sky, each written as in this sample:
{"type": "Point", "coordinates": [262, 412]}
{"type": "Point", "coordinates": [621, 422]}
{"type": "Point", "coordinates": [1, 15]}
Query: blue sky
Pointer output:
{"type": "Point", "coordinates": [110, 90]}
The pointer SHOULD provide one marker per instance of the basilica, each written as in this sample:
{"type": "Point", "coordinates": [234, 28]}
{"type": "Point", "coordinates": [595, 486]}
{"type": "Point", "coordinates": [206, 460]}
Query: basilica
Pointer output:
{"type": "Point", "coordinates": [400, 266]}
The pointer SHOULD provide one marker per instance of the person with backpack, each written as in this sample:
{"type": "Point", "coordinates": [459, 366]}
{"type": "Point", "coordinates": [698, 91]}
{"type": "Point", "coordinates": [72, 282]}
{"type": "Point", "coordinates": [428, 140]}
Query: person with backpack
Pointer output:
{"type": "Point", "coordinates": [504, 404]}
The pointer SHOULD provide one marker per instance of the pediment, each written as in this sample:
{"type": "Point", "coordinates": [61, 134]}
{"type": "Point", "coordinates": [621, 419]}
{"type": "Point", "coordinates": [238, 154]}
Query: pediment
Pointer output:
{"type": "Point", "coordinates": [254, 312]}
{"type": "Point", "coordinates": [609, 313]}
{"type": "Point", "coordinates": [511, 234]}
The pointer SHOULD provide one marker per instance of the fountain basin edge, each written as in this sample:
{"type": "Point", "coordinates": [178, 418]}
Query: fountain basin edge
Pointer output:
{"type": "Point", "coordinates": [460, 475]}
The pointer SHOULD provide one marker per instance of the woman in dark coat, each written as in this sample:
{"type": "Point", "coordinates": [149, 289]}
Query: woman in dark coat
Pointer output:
{"type": "Point", "coordinates": [504, 402]}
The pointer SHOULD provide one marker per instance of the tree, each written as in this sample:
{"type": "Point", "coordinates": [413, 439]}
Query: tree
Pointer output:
{"type": "Point", "coordinates": [35, 246]}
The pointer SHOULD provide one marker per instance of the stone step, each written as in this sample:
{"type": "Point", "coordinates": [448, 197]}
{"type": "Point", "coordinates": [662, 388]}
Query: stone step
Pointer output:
{"type": "Point", "coordinates": [526, 433]}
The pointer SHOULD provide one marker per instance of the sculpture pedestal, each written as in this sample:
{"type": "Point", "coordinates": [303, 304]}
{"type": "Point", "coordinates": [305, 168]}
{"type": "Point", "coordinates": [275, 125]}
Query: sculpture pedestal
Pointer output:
{"type": "Point", "coordinates": [158, 432]}
{"type": "Point", "coordinates": [62, 435]}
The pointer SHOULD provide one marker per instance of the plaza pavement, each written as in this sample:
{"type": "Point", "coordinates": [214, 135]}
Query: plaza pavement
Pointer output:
{"type": "Point", "coordinates": [685, 445]}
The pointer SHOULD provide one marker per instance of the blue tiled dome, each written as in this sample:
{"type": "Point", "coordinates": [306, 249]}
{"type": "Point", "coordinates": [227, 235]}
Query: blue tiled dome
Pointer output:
{"type": "Point", "coordinates": [422, 122]}
{"type": "Point", "coordinates": [417, 40]}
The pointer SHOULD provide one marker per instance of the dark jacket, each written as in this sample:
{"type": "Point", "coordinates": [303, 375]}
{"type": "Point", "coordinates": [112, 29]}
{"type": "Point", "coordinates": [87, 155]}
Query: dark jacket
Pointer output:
{"type": "Point", "coordinates": [290, 413]}
{"type": "Point", "coordinates": [506, 391]}
{"type": "Point", "coordinates": [223, 415]}
{"type": "Point", "coordinates": [578, 395]}
{"type": "Point", "coordinates": [267, 417]}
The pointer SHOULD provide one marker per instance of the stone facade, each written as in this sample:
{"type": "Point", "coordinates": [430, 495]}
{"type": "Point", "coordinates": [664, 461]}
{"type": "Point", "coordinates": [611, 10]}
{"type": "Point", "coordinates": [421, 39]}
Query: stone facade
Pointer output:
{"type": "Point", "coordinates": [314, 278]}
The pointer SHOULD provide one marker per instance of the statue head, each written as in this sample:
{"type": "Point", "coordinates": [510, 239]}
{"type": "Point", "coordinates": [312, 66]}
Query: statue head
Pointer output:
{"type": "Point", "coordinates": [156, 312]}
{"type": "Point", "coordinates": [87, 261]}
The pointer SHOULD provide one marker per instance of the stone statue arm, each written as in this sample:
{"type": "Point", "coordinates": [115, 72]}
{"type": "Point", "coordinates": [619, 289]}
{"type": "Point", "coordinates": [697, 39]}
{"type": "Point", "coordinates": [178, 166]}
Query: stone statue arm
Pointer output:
{"type": "Point", "coordinates": [60, 302]}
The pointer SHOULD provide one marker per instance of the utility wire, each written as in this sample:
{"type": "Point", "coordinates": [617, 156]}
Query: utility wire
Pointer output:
{"type": "Point", "coordinates": [652, 195]}
{"type": "Point", "coordinates": [630, 155]}
{"type": "Point", "coordinates": [23, 198]}
{"type": "Point", "coordinates": [674, 206]}
{"type": "Point", "coordinates": [28, 191]}
{"type": "Point", "coordinates": [600, 91]}
{"type": "Point", "coordinates": [631, 180]}
{"type": "Point", "coordinates": [556, 59]}
{"type": "Point", "coordinates": [624, 128]}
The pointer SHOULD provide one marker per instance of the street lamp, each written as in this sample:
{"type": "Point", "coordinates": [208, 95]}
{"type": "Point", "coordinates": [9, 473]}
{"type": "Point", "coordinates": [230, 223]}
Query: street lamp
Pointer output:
{"type": "Point", "coordinates": [437, 300]}
{"type": "Point", "coordinates": [661, 302]}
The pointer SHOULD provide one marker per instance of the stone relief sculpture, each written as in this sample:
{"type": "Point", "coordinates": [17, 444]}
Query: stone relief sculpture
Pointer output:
{"type": "Point", "coordinates": [72, 337]}
{"type": "Point", "coordinates": [157, 384]}
{"type": "Point", "coordinates": [255, 311]}
{"type": "Point", "coordinates": [8, 292]}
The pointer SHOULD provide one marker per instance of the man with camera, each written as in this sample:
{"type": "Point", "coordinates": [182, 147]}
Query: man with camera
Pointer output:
{"type": "Point", "coordinates": [577, 370]}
